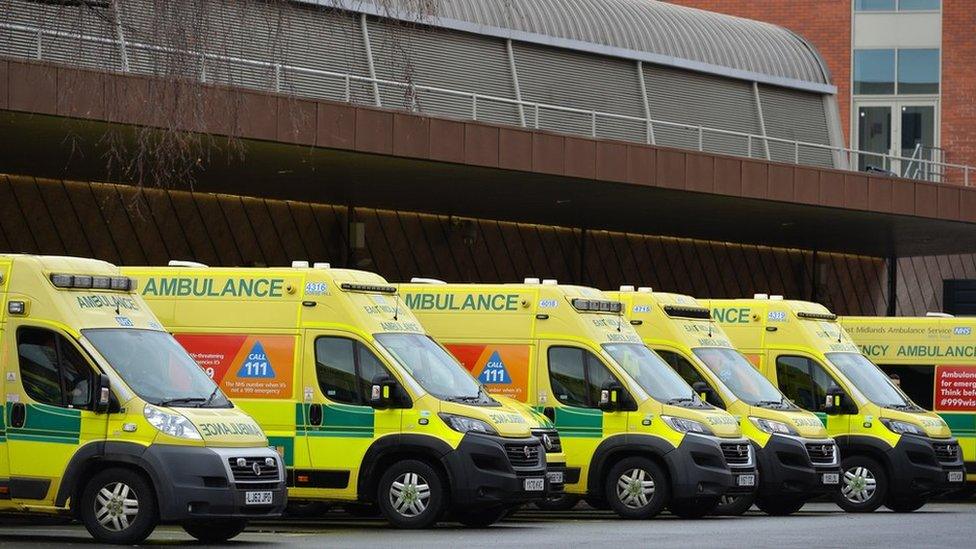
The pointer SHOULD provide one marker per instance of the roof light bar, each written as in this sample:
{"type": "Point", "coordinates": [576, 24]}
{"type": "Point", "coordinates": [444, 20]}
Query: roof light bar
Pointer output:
{"type": "Point", "coordinates": [597, 305]}
{"type": "Point", "coordinates": [816, 316]}
{"type": "Point", "coordinates": [86, 282]}
{"type": "Point", "coordinates": [369, 288]}
{"type": "Point", "coordinates": [685, 311]}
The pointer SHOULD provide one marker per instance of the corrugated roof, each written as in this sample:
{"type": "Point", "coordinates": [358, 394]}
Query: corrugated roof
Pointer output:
{"type": "Point", "coordinates": [648, 30]}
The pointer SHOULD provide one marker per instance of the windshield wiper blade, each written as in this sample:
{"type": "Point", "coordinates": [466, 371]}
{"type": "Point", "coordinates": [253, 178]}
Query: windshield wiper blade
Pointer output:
{"type": "Point", "coordinates": [181, 400]}
{"type": "Point", "coordinates": [212, 396]}
{"type": "Point", "coordinates": [678, 400]}
{"type": "Point", "coordinates": [778, 403]}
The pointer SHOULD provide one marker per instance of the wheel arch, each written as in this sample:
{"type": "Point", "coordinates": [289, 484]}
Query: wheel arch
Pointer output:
{"type": "Point", "coordinates": [97, 456]}
{"type": "Point", "coordinates": [391, 448]}
{"type": "Point", "coordinates": [615, 448]}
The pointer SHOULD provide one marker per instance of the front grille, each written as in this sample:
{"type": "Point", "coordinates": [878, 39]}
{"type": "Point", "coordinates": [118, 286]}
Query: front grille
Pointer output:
{"type": "Point", "coordinates": [555, 444]}
{"type": "Point", "coordinates": [822, 453]}
{"type": "Point", "coordinates": [523, 455]}
{"type": "Point", "coordinates": [736, 453]}
{"type": "Point", "coordinates": [946, 452]}
{"type": "Point", "coordinates": [244, 470]}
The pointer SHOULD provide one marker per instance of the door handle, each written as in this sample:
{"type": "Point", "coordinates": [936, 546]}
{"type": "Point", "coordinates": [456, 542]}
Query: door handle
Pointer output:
{"type": "Point", "coordinates": [315, 414]}
{"type": "Point", "coordinates": [550, 413]}
{"type": "Point", "coordinates": [18, 415]}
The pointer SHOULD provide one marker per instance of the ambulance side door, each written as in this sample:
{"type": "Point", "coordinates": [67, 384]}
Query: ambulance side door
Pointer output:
{"type": "Point", "coordinates": [572, 379]}
{"type": "Point", "coordinates": [340, 424]}
{"type": "Point", "coordinates": [49, 391]}
{"type": "Point", "coordinates": [805, 381]}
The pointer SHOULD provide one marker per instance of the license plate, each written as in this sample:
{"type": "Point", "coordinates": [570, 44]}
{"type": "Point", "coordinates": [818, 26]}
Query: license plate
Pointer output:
{"type": "Point", "coordinates": [956, 476]}
{"type": "Point", "coordinates": [535, 484]}
{"type": "Point", "coordinates": [555, 477]}
{"type": "Point", "coordinates": [259, 498]}
{"type": "Point", "coordinates": [746, 480]}
{"type": "Point", "coordinates": [831, 478]}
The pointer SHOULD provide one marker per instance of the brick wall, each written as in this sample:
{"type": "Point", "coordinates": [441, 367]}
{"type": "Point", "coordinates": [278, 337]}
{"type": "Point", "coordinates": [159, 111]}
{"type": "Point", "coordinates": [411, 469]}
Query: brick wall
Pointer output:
{"type": "Point", "coordinates": [824, 23]}
{"type": "Point", "coordinates": [959, 82]}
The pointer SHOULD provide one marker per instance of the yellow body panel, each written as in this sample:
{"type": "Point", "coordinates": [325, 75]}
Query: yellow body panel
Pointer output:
{"type": "Point", "coordinates": [37, 450]}
{"type": "Point", "coordinates": [935, 359]}
{"type": "Point", "coordinates": [764, 329]}
{"type": "Point", "coordinates": [682, 335]}
{"type": "Point", "coordinates": [285, 311]}
{"type": "Point", "coordinates": [511, 327]}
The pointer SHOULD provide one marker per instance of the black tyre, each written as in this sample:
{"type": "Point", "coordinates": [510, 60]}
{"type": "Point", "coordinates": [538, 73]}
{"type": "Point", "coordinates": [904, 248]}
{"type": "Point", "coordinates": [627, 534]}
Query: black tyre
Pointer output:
{"type": "Point", "coordinates": [215, 531]}
{"type": "Point", "coordinates": [597, 503]}
{"type": "Point", "coordinates": [362, 510]}
{"type": "Point", "coordinates": [564, 502]}
{"type": "Point", "coordinates": [780, 506]}
{"type": "Point", "coordinates": [481, 518]}
{"type": "Point", "coordinates": [864, 485]}
{"type": "Point", "coordinates": [734, 506]}
{"type": "Point", "coordinates": [118, 506]}
{"type": "Point", "coordinates": [694, 509]}
{"type": "Point", "coordinates": [412, 494]}
{"type": "Point", "coordinates": [306, 509]}
{"type": "Point", "coordinates": [906, 504]}
{"type": "Point", "coordinates": [636, 488]}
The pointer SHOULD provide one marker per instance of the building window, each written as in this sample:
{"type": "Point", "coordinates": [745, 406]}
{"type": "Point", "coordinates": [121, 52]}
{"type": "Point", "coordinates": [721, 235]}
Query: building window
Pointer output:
{"type": "Point", "coordinates": [876, 72]}
{"type": "Point", "coordinates": [918, 71]}
{"type": "Point", "coordinates": [897, 5]}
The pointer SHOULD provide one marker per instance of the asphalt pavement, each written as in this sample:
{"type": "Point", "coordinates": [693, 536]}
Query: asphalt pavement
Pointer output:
{"type": "Point", "coordinates": [819, 525]}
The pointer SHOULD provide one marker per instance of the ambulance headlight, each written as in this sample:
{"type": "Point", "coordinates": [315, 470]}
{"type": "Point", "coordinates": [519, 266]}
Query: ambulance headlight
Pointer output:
{"type": "Point", "coordinates": [464, 424]}
{"type": "Point", "coordinates": [170, 423]}
{"type": "Point", "coordinates": [772, 427]}
{"type": "Point", "coordinates": [683, 425]}
{"type": "Point", "coordinates": [902, 427]}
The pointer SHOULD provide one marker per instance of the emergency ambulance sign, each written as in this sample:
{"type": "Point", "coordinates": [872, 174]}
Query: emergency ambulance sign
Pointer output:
{"type": "Point", "coordinates": [245, 366]}
{"type": "Point", "coordinates": [503, 368]}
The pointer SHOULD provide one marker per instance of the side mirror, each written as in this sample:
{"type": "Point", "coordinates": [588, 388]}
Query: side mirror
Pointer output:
{"type": "Point", "coordinates": [382, 392]}
{"type": "Point", "coordinates": [835, 402]}
{"type": "Point", "coordinates": [703, 390]}
{"type": "Point", "coordinates": [611, 395]}
{"type": "Point", "coordinates": [103, 394]}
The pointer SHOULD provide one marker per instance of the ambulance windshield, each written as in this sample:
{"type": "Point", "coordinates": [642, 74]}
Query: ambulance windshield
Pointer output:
{"type": "Point", "coordinates": [653, 374]}
{"type": "Point", "coordinates": [870, 381]}
{"type": "Point", "coordinates": [434, 368]}
{"type": "Point", "coordinates": [154, 365]}
{"type": "Point", "coordinates": [741, 377]}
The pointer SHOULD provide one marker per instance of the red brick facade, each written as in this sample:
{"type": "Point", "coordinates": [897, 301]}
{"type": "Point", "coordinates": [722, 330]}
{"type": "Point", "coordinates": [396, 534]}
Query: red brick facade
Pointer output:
{"type": "Point", "coordinates": [959, 83]}
{"type": "Point", "coordinates": [825, 23]}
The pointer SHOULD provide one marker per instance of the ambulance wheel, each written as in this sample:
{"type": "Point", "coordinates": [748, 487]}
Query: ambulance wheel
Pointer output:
{"type": "Point", "coordinates": [734, 506]}
{"type": "Point", "coordinates": [694, 509]}
{"type": "Point", "coordinates": [215, 531]}
{"type": "Point", "coordinates": [118, 506]}
{"type": "Point", "coordinates": [411, 494]}
{"type": "Point", "coordinates": [636, 488]}
{"type": "Point", "coordinates": [905, 505]}
{"type": "Point", "coordinates": [564, 502]}
{"type": "Point", "coordinates": [780, 506]}
{"type": "Point", "coordinates": [864, 485]}
{"type": "Point", "coordinates": [599, 504]}
{"type": "Point", "coordinates": [481, 518]}
{"type": "Point", "coordinates": [306, 509]}
{"type": "Point", "coordinates": [362, 510]}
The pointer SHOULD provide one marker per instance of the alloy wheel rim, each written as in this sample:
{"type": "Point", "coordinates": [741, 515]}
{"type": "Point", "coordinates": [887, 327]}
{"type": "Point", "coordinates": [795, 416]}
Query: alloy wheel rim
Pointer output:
{"type": "Point", "coordinates": [410, 494]}
{"type": "Point", "coordinates": [116, 506]}
{"type": "Point", "coordinates": [860, 484]}
{"type": "Point", "coordinates": [635, 488]}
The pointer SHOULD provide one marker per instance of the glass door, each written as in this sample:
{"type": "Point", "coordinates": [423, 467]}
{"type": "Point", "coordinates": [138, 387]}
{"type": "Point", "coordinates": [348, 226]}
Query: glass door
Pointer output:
{"type": "Point", "coordinates": [917, 137]}
{"type": "Point", "coordinates": [905, 129]}
{"type": "Point", "coordinates": [874, 133]}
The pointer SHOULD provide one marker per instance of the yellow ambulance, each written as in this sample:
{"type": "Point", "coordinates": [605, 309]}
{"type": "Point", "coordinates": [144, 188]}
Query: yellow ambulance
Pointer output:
{"type": "Point", "coordinates": [933, 360]}
{"type": "Point", "coordinates": [893, 452]}
{"type": "Point", "coordinates": [797, 461]}
{"type": "Point", "coordinates": [362, 404]}
{"type": "Point", "coordinates": [107, 419]}
{"type": "Point", "coordinates": [636, 436]}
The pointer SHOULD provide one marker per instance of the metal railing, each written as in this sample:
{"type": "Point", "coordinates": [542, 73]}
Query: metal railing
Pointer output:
{"type": "Point", "coordinates": [352, 88]}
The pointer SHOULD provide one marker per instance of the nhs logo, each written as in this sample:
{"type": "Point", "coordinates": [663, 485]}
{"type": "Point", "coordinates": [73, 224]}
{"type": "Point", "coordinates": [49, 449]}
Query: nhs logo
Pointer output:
{"type": "Point", "coordinates": [962, 331]}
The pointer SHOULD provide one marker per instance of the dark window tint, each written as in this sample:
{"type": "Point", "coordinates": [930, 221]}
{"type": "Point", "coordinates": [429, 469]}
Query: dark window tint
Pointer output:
{"type": "Point", "coordinates": [689, 373]}
{"type": "Point", "coordinates": [345, 369]}
{"type": "Point", "coordinates": [597, 376]}
{"type": "Point", "coordinates": [52, 370]}
{"type": "Point", "coordinates": [803, 381]}
{"type": "Point", "coordinates": [567, 375]}
{"type": "Point", "coordinates": [918, 382]}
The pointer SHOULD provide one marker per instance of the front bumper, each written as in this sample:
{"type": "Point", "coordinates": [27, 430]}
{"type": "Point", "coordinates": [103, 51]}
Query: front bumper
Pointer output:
{"type": "Point", "coordinates": [699, 469]}
{"type": "Point", "coordinates": [786, 467]}
{"type": "Point", "coordinates": [483, 475]}
{"type": "Point", "coordinates": [197, 483]}
{"type": "Point", "coordinates": [917, 469]}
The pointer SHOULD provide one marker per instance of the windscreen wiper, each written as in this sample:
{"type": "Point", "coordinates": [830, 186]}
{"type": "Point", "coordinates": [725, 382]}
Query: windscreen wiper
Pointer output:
{"type": "Point", "coordinates": [212, 396]}
{"type": "Point", "coordinates": [181, 400]}
{"type": "Point", "coordinates": [679, 400]}
{"type": "Point", "coordinates": [771, 403]}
